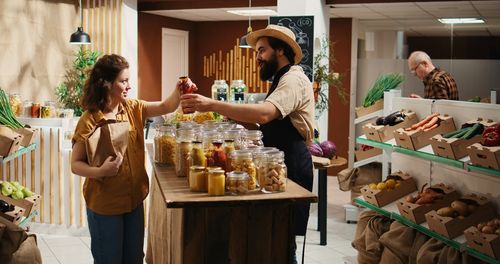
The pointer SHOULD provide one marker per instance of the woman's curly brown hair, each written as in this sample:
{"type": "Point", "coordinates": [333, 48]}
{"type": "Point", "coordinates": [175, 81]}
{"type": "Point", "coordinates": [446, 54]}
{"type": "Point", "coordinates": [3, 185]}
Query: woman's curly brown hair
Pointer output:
{"type": "Point", "coordinates": [95, 94]}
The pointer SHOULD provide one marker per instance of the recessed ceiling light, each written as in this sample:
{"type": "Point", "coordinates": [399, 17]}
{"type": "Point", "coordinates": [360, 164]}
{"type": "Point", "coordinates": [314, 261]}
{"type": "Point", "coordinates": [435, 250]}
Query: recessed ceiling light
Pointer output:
{"type": "Point", "coordinates": [253, 12]}
{"type": "Point", "coordinates": [461, 20]}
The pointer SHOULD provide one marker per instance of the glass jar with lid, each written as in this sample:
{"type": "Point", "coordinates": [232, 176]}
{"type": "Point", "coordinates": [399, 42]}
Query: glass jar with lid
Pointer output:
{"type": "Point", "coordinates": [228, 147]}
{"type": "Point", "coordinates": [198, 179]}
{"type": "Point", "coordinates": [274, 179]}
{"type": "Point", "coordinates": [253, 139]}
{"type": "Point", "coordinates": [27, 108]}
{"type": "Point", "coordinates": [219, 90]}
{"type": "Point", "coordinates": [48, 110]}
{"type": "Point", "coordinates": [242, 160]}
{"type": "Point", "coordinates": [185, 137]}
{"type": "Point", "coordinates": [237, 182]}
{"type": "Point", "coordinates": [209, 137]}
{"type": "Point", "coordinates": [260, 160]}
{"type": "Point", "coordinates": [164, 145]}
{"type": "Point", "coordinates": [236, 136]}
{"type": "Point", "coordinates": [217, 156]}
{"type": "Point", "coordinates": [237, 91]}
{"type": "Point", "coordinates": [197, 156]}
{"type": "Point", "coordinates": [216, 182]}
{"type": "Point", "coordinates": [16, 105]}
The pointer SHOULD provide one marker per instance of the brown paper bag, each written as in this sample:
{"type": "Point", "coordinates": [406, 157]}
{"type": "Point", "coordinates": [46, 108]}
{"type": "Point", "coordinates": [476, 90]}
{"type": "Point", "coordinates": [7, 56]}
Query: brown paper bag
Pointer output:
{"type": "Point", "coordinates": [347, 178]}
{"type": "Point", "coordinates": [108, 139]}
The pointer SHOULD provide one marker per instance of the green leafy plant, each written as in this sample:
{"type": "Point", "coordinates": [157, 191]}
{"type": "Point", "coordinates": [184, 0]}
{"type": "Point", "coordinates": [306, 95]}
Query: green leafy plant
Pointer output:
{"type": "Point", "coordinates": [324, 77]}
{"type": "Point", "coordinates": [384, 83]}
{"type": "Point", "coordinates": [70, 91]}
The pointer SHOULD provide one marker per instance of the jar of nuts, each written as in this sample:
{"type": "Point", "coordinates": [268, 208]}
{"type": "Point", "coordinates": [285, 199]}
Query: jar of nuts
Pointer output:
{"type": "Point", "coordinates": [237, 182]}
{"type": "Point", "coordinates": [242, 160]}
{"type": "Point", "coordinates": [274, 177]}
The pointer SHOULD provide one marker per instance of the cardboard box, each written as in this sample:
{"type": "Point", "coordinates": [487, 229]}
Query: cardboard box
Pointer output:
{"type": "Point", "coordinates": [416, 139]}
{"type": "Point", "coordinates": [452, 227]}
{"type": "Point", "coordinates": [29, 135]}
{"type": "Point", "coordinates": [362, 111]}
{"type": "Point", "coordinates": [416, 212]}
{"type": "Point", "coordinates": [10, 141]}
{"type": "Point", "coordinates": [361, 155]}
{"type": "Point", "coordinates": [488, 157]}
{"type": "Point", "coordinates": [382, 198]}
{"type": "Point", "coordinates": [29, 204]}
{"type": "Point", "coordinates": [488, 244]}
{"type": "Point", "coordinates": [14, 216]}
{"type": "Point", "coordinates": [456, 148]}
{"type": "Point", "coordinates": [384, 133]}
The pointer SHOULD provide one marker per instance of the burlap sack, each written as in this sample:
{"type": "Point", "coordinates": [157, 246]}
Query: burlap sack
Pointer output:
{"type": "Point", "coordinates": [370, 173]}
{"type": "Point", "coordinates": [430, 251]}
{"type": "Point", "coordinates": [418, 242]}
{"type": "Point", "coordinates": [28, 252]}
{"type": "Point", "coordinates": [108, 139]}
{"type": "Point", "coordinates": [397, 243]}
{"type": "Point", "coordinates": [367, 243]}
{"type": "Point", "coordinates": [12, 236]}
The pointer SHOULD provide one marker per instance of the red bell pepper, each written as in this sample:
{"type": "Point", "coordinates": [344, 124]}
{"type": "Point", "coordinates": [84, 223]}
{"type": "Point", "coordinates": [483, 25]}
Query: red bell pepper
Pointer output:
{"type": "Point", "coordinates": [491, 136]}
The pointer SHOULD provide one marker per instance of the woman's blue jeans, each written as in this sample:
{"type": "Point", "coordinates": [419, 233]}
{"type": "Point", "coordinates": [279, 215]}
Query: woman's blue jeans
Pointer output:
{"type": "Point", "coordinates": [117, 238]}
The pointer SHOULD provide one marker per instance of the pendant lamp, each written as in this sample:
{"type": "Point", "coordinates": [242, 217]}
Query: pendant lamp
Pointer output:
{"type": "Point", "coordinates": [243, 40]}
{"type": "Point", "coordinates": [80, 37]}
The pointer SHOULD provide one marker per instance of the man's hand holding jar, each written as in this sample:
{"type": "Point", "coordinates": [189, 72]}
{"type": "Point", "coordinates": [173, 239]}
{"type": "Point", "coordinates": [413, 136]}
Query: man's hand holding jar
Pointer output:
{"type": "Point", "coordinates": [186, 86]}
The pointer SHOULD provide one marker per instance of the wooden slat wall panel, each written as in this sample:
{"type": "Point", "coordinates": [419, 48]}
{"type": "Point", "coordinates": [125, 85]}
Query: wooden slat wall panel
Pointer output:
{"type": "Point", "coordinates": [235, 64]}
{"type": "Point", "coordinates": [102, 20]}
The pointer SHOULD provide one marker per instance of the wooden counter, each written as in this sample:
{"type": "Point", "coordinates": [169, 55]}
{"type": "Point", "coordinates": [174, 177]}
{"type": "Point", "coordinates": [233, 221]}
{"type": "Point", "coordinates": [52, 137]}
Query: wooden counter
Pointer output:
{"type": "Point", "coordinates": [186, 227]}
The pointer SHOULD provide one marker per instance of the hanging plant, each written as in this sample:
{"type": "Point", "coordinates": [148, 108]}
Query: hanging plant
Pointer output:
{"type": "Point", "coordinates": [324, 78]}
{"type": "Point", "coordinates": [70, 91]}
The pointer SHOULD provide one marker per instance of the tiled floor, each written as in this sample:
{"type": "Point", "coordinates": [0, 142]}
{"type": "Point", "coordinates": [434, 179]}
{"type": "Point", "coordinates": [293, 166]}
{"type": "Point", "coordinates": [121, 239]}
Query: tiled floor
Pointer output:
{"type": "Point", "coordinates": [63, 249]}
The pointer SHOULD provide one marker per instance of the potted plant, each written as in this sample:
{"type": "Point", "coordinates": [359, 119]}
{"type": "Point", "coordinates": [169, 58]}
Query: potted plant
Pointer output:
{"type": "Point", "coordinates": [70, 91]}
{"type": "Point", "coordinates": [323, 77]}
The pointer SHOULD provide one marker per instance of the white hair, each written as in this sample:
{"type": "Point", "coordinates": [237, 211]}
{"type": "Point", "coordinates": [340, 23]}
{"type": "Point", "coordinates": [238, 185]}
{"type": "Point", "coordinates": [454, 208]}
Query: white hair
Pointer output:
{"type": "Point", "coordinates": [419, 56]}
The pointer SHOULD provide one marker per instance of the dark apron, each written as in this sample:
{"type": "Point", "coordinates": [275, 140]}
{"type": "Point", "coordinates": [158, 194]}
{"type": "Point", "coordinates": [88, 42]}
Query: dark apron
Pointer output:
{"type": "Point", "coordinates": [280, 133]}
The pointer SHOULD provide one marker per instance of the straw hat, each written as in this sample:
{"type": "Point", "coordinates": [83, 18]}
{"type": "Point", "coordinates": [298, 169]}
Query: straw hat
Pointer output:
{"type": "Point", "coordinates": [278, 32]}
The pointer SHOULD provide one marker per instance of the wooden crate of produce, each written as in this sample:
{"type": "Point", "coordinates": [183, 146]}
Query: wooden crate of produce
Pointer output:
{"type": "Point", "coordinates": [488, 157]}
{"type": "Point", "coordinates": [416, 212]}
{"type": "Point", "coordinates": [452, 227]}
{"type": "Point", "coordinates": [362, 111]}
{"type": "Point", "coordinates": [383, 133]}
{"type": "Point", "coordinates": [488, 244]}
{"type": "Point", "coordinates": [384, 197]}
{"type": "Point", "coordinates": [365, 154]}
{"type": "Point", "coordinates": [29, 135]}
{"type": "Point", "coordinates": [456, 148]}
{"type": "Point", "coordinates": [29, 204]}
{"type": "Point", "coordinates": [13, 216]}
{"type": "Point", "coordinates": [416, 139]}
{"type": "Point", "coordinates": [10, 141]}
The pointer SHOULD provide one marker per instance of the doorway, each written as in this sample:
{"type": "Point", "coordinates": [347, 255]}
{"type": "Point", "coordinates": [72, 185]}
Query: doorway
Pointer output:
{"type": "Point", "coordinates": [175, 58]}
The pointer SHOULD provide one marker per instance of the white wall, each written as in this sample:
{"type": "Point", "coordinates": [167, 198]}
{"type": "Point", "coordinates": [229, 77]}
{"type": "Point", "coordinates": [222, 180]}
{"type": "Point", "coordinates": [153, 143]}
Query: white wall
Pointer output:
{"type": "Point", "coordinates": [129, 41]}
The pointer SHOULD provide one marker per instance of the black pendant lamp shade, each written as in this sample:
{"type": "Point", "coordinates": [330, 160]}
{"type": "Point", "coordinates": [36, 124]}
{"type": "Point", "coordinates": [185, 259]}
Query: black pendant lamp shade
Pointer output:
{"type": "Point", "coordinates": [243, 40]}
{"type": "Point", "coordinates": [79, 37]}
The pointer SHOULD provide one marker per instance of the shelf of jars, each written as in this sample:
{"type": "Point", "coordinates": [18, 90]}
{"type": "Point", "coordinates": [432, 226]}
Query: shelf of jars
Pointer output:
{"type": "Point", "coordinates": [391, 211]}
{"type": "Point", "coordinates": [427, 153]}
{"type": "Point", "coordinates": [21, 151]}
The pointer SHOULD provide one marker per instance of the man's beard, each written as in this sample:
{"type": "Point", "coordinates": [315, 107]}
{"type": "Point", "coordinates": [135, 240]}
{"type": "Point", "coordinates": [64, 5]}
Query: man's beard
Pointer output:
{"type": "Point", "coordinates": [268, 68]}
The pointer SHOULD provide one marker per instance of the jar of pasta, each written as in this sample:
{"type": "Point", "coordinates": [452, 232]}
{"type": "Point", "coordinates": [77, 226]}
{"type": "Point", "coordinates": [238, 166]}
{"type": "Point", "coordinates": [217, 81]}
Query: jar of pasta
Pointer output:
{"type": "Point", "coordinates": [16, 104]}
{"type": "Point", "coordinates": [216, 182]}
{"type": "Point", "coordinates": [253, 139]}
{"type": "Point", "coordinates": [275, 176]}
{"type": "Point", "coordinates": [198, 179]}
{"type": "Point", "coordinates": [164, 145]}
{"type": "Point", "coordinates": [237, 182]}
{"type": "Point", "coordinates": [242, 160]}
{"type": "Point", "coordinates": [184, 136]}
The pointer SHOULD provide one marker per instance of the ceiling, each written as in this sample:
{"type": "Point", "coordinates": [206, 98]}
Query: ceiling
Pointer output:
{"type": "Point", "coordinates": [414, 18]}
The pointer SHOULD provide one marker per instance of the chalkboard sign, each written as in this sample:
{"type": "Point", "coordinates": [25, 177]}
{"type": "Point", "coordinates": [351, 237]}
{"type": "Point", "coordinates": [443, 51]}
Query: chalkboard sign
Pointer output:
{"type": "Point", "coordinates": [303, 28]}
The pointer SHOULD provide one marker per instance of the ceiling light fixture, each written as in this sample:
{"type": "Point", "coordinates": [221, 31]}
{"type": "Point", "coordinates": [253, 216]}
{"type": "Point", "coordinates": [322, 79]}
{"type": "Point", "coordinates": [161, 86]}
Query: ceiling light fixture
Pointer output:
{"type": "Point", "coordinates": [470, 20]}
{"type": "Point", "coordinates": [253, 12]}
{"type": "Point", "coordinates": [80, 37]}
{"type": "Point", "coordinates": [243, 40]}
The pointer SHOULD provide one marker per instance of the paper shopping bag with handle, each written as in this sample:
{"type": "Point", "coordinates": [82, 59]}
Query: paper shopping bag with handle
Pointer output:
{"type": "Point", "coordinates": [109, 138]}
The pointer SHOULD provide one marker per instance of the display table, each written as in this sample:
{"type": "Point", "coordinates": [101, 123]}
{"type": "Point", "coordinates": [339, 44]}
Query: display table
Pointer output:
{"type": "Point", "coordinates": [187, 227]}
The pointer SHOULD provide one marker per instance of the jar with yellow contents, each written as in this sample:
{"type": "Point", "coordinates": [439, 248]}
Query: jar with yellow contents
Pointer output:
{"type": "Point", "coordinates": [216, 182]}
{"type": "Point", "coordinates": [184, 136]}
{"type": "Point", "coordinates": [242, 160]}
{"type": "Point", "coordinates": [198, 179]}
{"type": "Point", "coordinates": [164, 145]}
{"type": "Point", "coordinates": [228, 147]}
{"type": "Point", "coordinates": [197, 156]}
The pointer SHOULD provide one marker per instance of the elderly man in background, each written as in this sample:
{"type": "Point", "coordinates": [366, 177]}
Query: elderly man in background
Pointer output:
{"type": "Point", "coordinates": [438, 83]}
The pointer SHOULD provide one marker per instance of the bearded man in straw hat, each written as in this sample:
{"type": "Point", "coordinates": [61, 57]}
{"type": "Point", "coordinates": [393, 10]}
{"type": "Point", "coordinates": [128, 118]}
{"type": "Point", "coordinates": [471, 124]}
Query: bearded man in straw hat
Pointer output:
{"type": "Point", "coordinates": [286, 116]}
